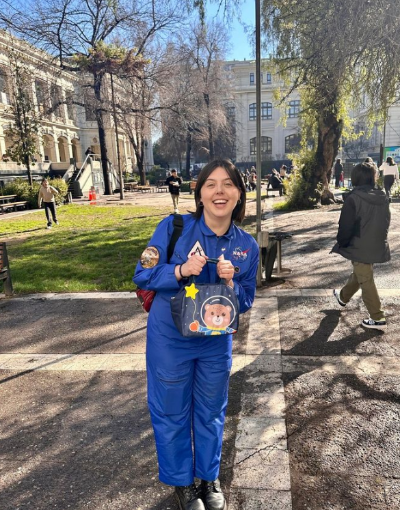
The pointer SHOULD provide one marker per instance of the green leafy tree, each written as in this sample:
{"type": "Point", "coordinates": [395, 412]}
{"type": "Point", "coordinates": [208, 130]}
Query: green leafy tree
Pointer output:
{"type": "Point", "coordinates": [25, 127]}
{"type": "Point", "coordinates": [340, 55]}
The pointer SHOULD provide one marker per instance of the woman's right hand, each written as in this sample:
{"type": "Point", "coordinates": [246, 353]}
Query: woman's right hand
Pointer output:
{"type": "Point", "coordinates": [193, 266]}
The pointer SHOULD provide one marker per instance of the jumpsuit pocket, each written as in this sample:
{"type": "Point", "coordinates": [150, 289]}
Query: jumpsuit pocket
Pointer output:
{"type": "Point", "coordinates": [174, 391]}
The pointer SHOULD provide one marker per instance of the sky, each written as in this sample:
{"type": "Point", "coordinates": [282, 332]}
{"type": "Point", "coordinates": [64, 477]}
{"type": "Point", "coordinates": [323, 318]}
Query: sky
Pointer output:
{"type": "Point", "coordinates": [240, 46]}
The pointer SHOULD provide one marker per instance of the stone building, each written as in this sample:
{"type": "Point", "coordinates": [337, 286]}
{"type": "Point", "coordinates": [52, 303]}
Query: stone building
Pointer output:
{"type": "Point", "coordinates": [68, 131]}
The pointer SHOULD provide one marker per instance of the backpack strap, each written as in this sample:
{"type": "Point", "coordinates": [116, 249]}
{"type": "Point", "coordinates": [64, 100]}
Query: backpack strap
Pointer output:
{"type": "Point", "coordinates": [178, 227]}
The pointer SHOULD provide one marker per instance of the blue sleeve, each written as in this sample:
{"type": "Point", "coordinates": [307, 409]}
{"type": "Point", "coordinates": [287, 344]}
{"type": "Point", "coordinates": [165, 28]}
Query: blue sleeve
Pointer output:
{"type": "Point", "coordinates": [245, 285]}
{"type": "Point", "coordinates": [162, 275]}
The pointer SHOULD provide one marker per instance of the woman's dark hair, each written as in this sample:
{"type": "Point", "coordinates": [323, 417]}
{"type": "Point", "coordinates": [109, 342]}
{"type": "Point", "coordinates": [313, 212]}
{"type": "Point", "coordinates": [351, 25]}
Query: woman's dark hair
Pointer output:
{"type": "Point", "coordinates": [44, 179]}
{"type": "Point", "coordinates": [389, 160]}
{"type": "Point", "coordinates": [234, 174]}
{"type": "Point", "coordinates": [364, 174]}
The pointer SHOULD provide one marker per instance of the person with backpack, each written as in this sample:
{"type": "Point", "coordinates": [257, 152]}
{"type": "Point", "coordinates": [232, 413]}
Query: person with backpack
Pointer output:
{"type": "Point", "coordinates": [188, 377]}
{"type": "Point", "coordinates": [362, 239]}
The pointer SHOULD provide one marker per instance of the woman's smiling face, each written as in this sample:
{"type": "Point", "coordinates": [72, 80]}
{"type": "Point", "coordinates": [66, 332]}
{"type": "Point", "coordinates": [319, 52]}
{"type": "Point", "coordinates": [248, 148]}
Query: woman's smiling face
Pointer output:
{"type": "Point", "coordinates": [219, 195]}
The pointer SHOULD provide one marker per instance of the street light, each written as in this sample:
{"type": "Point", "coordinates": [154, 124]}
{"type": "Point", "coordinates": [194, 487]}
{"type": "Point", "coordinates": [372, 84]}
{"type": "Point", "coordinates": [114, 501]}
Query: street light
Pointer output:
{"type": "Point", "coordinates": [258, 131]}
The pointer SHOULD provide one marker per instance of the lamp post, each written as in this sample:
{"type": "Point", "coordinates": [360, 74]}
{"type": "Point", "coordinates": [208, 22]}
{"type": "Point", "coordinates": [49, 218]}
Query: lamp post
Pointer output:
{"type": "Point", "coordinates": [258, 130]}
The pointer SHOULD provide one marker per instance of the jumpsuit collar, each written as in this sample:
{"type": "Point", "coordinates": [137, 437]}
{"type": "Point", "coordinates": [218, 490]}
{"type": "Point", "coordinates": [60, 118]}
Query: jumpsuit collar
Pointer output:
{"type": "Point", "coordinates": [208, 232]}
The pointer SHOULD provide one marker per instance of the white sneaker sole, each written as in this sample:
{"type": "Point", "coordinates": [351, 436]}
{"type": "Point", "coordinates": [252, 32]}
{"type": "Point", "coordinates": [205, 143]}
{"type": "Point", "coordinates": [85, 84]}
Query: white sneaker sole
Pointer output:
{"type": "Point", "coordinates": [370, 326]}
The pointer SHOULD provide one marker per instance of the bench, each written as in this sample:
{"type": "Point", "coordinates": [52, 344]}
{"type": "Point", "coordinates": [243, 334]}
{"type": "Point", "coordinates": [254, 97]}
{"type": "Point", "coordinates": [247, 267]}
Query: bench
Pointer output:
{"type": "Point", "coordinates": [5, 270]}
{"type": "Point", "coordinates": [130, 186]}
{"type": "Point", "coordinates": [161, 186]}
{"type": "Point", "coordinates": [143, 188]}
{"type": "Point", "coordinates": [14, 206]}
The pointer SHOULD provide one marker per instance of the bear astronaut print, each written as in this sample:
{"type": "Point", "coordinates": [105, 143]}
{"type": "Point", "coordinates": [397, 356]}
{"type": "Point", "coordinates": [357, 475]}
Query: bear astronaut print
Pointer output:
{"type": "Point", "coordinates": [205, 310]}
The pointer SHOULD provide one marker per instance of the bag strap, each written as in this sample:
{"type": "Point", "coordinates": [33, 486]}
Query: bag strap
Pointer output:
{"type": "Point", "coordinates": [178, 227]}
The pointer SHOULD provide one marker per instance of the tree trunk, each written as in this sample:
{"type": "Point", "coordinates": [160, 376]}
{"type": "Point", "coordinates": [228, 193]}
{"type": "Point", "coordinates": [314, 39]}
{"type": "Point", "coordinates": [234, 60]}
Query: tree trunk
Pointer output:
{"type": "Point", "coordinates": [188, 152]}
{"type": "Point", "coordinates": [28, 170]}
{"type": "Point", "coordinates": [211, 152]}
{"type": "Point", "coordinates": [329, 133]}
{"type": "Point", "coordinates": [97, 82]}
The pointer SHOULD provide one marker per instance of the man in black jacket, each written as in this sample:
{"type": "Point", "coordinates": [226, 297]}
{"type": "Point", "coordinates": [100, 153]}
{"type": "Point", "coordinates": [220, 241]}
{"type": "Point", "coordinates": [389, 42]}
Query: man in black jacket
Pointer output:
{"type": "Point", "coordinates": [338, 172]}
{"type": "Point", "coordinates": [362, 238]}
{"type": "Point", "coordinates": [174, 184]}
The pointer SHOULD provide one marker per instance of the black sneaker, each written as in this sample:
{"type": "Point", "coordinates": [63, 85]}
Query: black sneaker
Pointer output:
{"type": "Point", "coordinates": [336, 293]}
{"type": "Point", "coordinates": [188, 498]}
{"type": "Point", "coordinates": [371, 324]}
{"type": "Point", "coordinates": [212, 495]}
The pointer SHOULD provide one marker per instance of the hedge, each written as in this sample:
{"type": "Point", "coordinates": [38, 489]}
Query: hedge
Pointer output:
{"type": "Point", "coordinates": [25, 192]}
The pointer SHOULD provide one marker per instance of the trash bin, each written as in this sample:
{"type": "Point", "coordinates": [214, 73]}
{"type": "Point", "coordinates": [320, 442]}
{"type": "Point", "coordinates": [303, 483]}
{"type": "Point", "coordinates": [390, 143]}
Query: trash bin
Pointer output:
{"type": "Point", "coordinates": [270, 253]}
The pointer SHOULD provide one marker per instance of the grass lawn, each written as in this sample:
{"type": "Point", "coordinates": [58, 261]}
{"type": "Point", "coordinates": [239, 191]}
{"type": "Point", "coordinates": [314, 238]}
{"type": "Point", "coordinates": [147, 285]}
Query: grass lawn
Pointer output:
{"type": "Point", "coordinates": [93, 248]}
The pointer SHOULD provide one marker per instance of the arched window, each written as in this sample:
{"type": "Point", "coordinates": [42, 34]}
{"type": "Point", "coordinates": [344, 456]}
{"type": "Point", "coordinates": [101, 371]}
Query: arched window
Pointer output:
{"type": "Point", "coordinates": [253, 111]}
{"type": "Point", "coordinates": [266, 111]}
{"type": "Point", "coordinates": [292, 143]}
{"type": "Point", "coordinates": [294, 109]}
{"type": "Point", "coordinates": [266, 145]}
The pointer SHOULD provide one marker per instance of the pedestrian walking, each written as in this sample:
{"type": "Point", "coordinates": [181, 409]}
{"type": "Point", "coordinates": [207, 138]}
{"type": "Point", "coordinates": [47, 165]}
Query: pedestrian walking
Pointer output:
{"type": "Point", "coordinates": [283, 172]}
{"type": "Point", "coordinates": [188, 377]}
{"type": "Point", "coordinates": [338, 172]}
{"type": "Point", "coordinates": [390, 174]}
{"type": "Point", "coordinates": [362, 238]}
{"type": "Point", "coordinates": [174, 185]}
{"type": "Point", "coordinates": [47, 194]}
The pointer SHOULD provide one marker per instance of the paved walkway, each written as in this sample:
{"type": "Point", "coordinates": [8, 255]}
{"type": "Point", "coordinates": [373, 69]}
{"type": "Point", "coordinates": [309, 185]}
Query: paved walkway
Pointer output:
{"type": "Point", "coordinates": [314, 398]}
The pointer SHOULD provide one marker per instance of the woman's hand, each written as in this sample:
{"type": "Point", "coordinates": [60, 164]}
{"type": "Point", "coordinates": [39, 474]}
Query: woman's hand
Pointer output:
{"type": "Point", "coordinates": [193, 266]}
{"type": "Point", "coordinates": [225, 270]}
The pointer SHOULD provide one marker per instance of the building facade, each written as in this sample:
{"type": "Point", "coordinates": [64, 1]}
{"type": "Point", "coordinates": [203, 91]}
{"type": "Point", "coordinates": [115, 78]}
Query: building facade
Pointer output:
{"type": "Point", "coordinates": [279, 123]}
{"type": "Point", "coordinates": [69, 130]}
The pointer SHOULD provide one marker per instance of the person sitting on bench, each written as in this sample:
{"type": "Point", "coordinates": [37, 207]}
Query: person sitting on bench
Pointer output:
{"type": "Point", "coordinates": [276, 182]}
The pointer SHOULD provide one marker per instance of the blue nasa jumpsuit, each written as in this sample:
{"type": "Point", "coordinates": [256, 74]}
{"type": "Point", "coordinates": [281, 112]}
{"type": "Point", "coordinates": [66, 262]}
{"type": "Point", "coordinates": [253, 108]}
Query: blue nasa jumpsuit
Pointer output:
{"type": "Point", "coordinates": [188, 378]}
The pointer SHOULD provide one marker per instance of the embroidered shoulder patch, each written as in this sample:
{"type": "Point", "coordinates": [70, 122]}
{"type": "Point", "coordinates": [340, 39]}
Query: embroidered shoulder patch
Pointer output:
{"type": "Point", "coordinates": [149, 257]}
{"type": "Point", "coordinates": [196, 249]}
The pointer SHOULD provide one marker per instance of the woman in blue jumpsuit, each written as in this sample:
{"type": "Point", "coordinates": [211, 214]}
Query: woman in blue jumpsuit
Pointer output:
{"type": "Point", "coordinates": [188, 378]}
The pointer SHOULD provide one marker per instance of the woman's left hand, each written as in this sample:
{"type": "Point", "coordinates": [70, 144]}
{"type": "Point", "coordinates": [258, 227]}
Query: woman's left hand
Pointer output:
{"type": "Point", "coordinates": [225, 270]}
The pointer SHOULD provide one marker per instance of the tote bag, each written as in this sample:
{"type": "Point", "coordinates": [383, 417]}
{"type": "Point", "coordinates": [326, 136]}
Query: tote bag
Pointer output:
{"type": "Point", "coordinates": [205, 309]}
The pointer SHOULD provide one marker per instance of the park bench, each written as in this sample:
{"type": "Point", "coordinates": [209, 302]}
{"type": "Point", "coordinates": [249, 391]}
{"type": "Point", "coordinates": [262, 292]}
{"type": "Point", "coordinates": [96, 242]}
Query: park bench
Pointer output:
{"type": "Point", "coordinates": [161, 186]}
{"type": "Point", "coordinates": [14, 206]}
{"type": "Point", "coordinates": [143, 189]}
{"type": "Point", "coordinates": [130, 186]}
{"type": "Point", "coordinates": [5, 270]}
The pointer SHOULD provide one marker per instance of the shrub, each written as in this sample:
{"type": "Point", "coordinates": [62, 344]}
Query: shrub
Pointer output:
{"type": "Point", "coordinates": [25, 192]}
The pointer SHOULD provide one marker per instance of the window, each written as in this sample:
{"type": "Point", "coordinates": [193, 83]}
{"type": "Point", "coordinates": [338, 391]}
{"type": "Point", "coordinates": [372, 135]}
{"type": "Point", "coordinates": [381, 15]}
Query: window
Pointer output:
{"type": "Point", "coordinates": [56, 100]}
{"type": "Point", "coordinates": [90, 106]}
{"type": "Point", "coordinates": [41, 97]}
{"type": "Point", "coordinates": [268, 78]}
{"type": "Point", "coordinates": [230, 112]}
{"type": "Point", "coordinates": [266, 111]}
{"type": "Point", "coordinates": [266, 145]}
{"type": "Point", "coordinates": [252, 82]}
{"type": "Point", "coordinates": [4, 96]}
{"type": "Point", "coordinates": [294, 109]}
{"type": "Point", "coordinates": [70, 107]}
{"type": "Point", "coordinates": [253, 111]}
{"type": "Point", "coordinates": [292, 143]}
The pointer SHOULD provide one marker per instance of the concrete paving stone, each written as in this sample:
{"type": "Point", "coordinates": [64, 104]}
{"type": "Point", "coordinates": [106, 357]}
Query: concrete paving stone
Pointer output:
{"type": "Point", "coordinates": [384, 365]}
{"type": "Point", "coordinates": [82, 326]}
{"type": "Point", "coordinates": [263, 405]}
{"type": "Point", "coordinates": [269, 362]}
{"type": "Point", "coordinates": [261, 432]}
{"type": "Point", "coordinates": [261, 381]}
{"type": "Point", "coordinates": [238, 363]}
{"type": "Point", "coordinates": [250, 499]}
{"type": "Point", "coordinates": [262, 469]}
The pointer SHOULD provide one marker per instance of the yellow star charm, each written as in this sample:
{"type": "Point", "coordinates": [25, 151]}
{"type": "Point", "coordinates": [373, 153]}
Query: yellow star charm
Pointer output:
{"type": "Point", "coordinates": [191, 291]}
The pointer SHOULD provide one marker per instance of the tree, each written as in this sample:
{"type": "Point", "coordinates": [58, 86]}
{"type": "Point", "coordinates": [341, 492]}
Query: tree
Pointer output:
{"type": "Point", "coordinates": [65, 28]}
{"type": "Point", "coordinates": [25, 128]}
{"type": "Point", "coordinates": [334, 53]}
